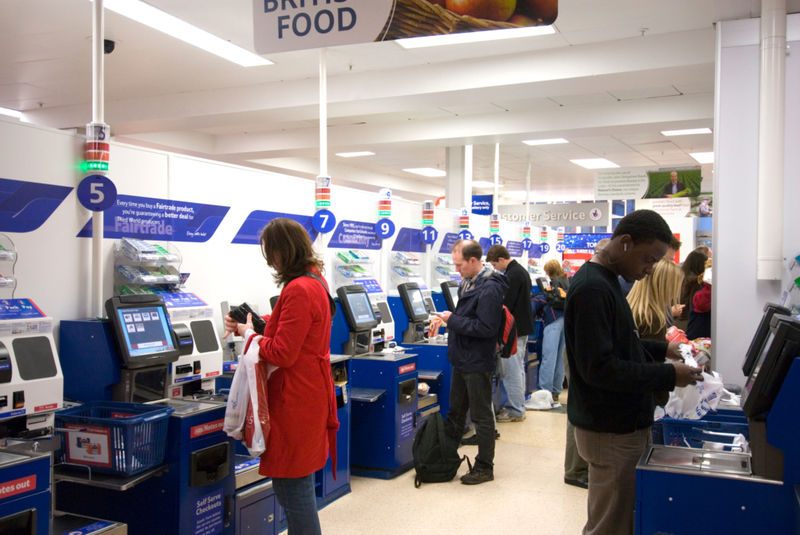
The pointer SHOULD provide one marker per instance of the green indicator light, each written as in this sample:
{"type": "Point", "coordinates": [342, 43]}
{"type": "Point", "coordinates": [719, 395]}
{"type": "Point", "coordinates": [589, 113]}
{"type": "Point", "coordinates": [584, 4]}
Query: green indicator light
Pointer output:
{"type": "Point", "coordinates": [323, 203]}
{"type": "Point", "coordinates": [385, 213]}
{"type": "Point", "coordinates": [427, 221]}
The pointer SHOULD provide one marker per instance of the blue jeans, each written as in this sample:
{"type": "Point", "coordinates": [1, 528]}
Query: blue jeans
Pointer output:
{"type": "Point", "coordinates": [473, 392]}
{"type": "Point", "coordinates": [514, 379]}
{"type": "Point", "coordinates": [296, 496]}
{"type": "Point", "coordinates": [551, 370]}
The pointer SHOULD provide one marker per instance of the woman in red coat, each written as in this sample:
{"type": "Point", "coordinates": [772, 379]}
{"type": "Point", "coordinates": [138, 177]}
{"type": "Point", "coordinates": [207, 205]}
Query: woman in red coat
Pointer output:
{"type": "Point", "coordinates": [302, 402]}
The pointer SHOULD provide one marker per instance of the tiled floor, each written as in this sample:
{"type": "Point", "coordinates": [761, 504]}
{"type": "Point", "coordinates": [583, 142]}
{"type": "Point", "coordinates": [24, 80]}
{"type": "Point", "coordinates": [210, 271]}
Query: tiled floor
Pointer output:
{"type": "Point", "coordinates": [528, 494]}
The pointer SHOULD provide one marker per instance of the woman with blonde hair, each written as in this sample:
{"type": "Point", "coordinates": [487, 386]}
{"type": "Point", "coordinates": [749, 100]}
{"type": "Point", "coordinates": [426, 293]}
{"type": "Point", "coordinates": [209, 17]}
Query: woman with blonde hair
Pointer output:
{"type": "Point", "coordinates": [651, 300]}
{"type": "Point", "coordinates": [551, 369]}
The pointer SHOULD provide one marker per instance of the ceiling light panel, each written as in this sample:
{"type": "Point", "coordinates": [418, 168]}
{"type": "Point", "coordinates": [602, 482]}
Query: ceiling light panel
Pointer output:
{"type": "Point", "coordinates": [426, 171]}
{"type": "Point", "coordinates": [355, 154]}
{"type": "Point", "coordinates": [188, 33]}
{"type": "Point", "coordinates": [553, 141]}
{"type": "Point", "coordinates": [474, 37]}
{"type": "Point", "coordinates": [688, 132]}
{"type": "Point", "coordinates": [703, 157]}
{"type": "Point", "coordinates": [595, 163]}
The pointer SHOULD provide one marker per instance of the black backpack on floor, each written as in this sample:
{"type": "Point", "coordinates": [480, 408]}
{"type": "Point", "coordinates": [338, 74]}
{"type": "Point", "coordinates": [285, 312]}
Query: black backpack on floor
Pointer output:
{"type": "Point", "coordinates": [435, 454]}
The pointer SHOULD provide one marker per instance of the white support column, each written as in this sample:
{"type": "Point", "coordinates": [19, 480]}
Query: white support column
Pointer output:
{"type": "Point", "coordinates": [771, 127]}
{"type": "Point", "coordinates": [98, 112]}
{"type": "Point", "coordinates": [458, 184]}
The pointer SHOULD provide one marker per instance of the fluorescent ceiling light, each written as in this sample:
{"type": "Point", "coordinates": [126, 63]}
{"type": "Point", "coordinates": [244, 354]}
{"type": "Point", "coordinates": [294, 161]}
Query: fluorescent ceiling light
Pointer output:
{"type": "Point", "coordinates": [484, 184]}
{"type": "Point", "coordinates": [11, 113]}
{"type": "Point", "coordinates": [355, 154]}
{"type": "Point", "coordinates": [690, 132]}
{"type": "Point", "coordinates": [556, 141]}
{"type": "Point", "coordinates": [703, 157]}
{"type": "Point", "coordinates": [170, 25]}
{"type": "Point", "coordinates": [595, 163]}
{"type": "Point", "coordinates": [426, 171]}
{"type": "Point", "coordinates": [475, 37]}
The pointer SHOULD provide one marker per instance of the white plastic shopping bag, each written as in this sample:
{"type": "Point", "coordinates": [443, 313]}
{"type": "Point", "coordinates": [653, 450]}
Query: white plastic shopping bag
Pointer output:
{"type": "Point", "coordinates": [247, 413]}
{"type": "Point", "coordinates": [541, 400]}
{"type": "Point", "coordinates": [694, 401]}
{"type": "Point", "coordinates": [238, 401]}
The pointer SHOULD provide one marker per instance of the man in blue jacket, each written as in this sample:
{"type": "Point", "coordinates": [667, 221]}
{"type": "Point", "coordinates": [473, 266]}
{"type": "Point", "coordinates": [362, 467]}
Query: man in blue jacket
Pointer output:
{"type": "Point", "coordinates": [472, 337]}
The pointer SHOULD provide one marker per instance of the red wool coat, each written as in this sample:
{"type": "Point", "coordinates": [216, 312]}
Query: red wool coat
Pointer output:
{"type": "Point", "coordinates": [302, 401]}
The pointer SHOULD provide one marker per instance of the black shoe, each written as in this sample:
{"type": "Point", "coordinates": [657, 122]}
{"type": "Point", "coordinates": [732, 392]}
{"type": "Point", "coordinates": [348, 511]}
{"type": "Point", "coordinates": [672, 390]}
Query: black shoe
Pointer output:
{"type": "Point", "coordinates": [476, 477]}
{"type": "Point", "coordinates": [582, 482]}
{"type": "Point", "coordinates": [555, 398]}
{"type": "Point", "coordinates": [473, 440]}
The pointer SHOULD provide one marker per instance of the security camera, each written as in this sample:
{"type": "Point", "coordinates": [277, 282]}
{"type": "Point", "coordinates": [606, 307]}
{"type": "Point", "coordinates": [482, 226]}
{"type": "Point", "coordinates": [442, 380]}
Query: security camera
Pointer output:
{"type": "Point", "coordinates": [108, 45]}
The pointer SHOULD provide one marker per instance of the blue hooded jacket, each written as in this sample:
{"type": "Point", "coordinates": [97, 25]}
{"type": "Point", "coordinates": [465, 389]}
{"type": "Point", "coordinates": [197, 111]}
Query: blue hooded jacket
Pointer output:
{"type": "Point", "coordinates": [473, 327]}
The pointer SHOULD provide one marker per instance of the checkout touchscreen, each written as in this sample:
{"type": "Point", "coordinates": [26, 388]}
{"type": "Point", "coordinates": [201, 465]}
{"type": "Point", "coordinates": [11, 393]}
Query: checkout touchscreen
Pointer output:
{"type": "Point", "coordinates": [145, 330]}
{"type": "Point", "coordinates": [453, 294]}
{"type": "Point", "coordinates": [362, 310]}
{"type": "Point", "coordinates": [417, 303]}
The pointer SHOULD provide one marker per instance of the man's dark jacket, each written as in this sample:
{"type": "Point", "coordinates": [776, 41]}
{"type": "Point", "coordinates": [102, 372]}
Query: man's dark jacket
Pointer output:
{"type": "Point", "coordinates": [668, 188]}
{"type": "Point", "coordinates": [518, 298]}
{"type": "Point", "coordinates": [472, 328]}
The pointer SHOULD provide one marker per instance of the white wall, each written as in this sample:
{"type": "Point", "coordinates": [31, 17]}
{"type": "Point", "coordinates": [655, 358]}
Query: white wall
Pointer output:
{"type": "Point", "coordinates": [738, 297]}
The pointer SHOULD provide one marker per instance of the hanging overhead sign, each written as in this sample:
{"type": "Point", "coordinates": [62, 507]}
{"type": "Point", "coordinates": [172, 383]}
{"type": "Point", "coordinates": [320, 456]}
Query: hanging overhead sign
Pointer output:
{"type": "Point", "coordinates": [288, 25]}
{"type": "Point", "coordinates": [591, 214]}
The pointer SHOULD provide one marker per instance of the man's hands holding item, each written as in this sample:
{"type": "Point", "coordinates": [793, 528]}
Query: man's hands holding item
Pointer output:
{"type": "Point", "coordinates": [444, 315]}
{"type": "Point", "coordinates": [685, 375]}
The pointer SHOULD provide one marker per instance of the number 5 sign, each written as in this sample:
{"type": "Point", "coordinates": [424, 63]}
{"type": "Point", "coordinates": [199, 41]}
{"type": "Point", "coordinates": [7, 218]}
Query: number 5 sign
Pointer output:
{"type": "Point", "coordinates": [97, 193]}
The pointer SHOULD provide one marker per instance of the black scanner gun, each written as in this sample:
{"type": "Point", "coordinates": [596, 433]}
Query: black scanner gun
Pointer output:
{"type": "Point", "coordinates": [240, 314]}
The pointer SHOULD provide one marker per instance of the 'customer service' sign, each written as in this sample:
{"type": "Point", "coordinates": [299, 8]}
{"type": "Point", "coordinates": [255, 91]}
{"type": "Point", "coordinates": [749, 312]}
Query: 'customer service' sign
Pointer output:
{"type": "Point", "coordinates": [592, 214]}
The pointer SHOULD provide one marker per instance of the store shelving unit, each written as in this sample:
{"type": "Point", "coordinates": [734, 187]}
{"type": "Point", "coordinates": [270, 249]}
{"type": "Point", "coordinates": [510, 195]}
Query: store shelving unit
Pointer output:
{"type": "Point", "coordinates": [143, 267]}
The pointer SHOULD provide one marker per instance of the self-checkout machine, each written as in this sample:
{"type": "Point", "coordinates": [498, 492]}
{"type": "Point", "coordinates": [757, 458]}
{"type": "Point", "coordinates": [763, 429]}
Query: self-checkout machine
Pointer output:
{"type": "Point", "coordinates": [383, 388]}
{"type": "Point", "coordinates": [127, 357]}
{"type": "Point", "coordinates": [31, 391]}
{"type": "Point", "coordinates": [412, 303]}
{"type": "Point", "coordinates": [740, 492]}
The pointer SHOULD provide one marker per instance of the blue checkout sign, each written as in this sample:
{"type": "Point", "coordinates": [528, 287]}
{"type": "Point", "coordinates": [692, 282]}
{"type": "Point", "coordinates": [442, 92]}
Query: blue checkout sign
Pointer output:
{"type": "Point", "coordinates": [17, 309]}
{"type": "Point", "coordinates": [91, 528]}
{"type": "Point", "coordinates": [371, 285]}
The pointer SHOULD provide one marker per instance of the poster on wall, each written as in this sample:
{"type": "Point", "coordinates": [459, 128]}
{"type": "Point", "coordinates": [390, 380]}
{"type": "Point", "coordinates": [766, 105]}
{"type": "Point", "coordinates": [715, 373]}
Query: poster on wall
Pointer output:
{"type": "Point", "coordinates": [355, 235]}
{"type": "Point", "coordinates": [289, 25]}
{"type": "Point", "coordinates": [673, 184]}
{"type": "Point", "coordinates": [147, 218]}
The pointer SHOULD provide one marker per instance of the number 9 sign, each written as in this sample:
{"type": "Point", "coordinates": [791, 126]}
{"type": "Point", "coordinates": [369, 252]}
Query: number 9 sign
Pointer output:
{"type": "Point", "coordinates": [384, 229]}
{"type": "Point", "coordinates": [97, 193]}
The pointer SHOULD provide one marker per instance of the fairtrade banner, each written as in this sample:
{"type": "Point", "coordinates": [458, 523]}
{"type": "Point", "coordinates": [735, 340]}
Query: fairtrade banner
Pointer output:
{"type": "Point", "coordinates": [288, 25]}
{"type": "Point", "coordinates": [146, 218]}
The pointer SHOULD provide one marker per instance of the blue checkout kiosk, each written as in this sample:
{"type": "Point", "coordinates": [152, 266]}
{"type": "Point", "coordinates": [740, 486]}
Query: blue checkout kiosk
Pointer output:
{"type": "Point", "coordinates": [31, 390]}
{"type": "Point", "coordinates": [690, 490]}
{"type": "Point", "coordinates": [128, 358]}
{"type": "Point", "coordinates": [385, 409]}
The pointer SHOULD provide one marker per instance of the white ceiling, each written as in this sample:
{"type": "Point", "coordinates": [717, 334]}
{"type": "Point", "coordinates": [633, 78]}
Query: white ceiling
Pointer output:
{"type": "Point", "coordinates": [616, 74]}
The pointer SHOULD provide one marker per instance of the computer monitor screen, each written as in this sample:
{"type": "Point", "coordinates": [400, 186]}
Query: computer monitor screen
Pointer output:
{"type": "Point", "coordinates": [414, 303]}
{"type": "Point", "coordinates": [453, 295]}
{"type": "Point", "coordinates": [780, 349]}
{"type": "Point", "coordinates": [142, 330]}
{"type": "Point", "coordinates": [145, 330]}
{"type": "Point", "coordinates": [356, 307]}
{"type": "Point", "coordinates": [541, 284]}
{"type": "Point", "coordinates": [757, 343]}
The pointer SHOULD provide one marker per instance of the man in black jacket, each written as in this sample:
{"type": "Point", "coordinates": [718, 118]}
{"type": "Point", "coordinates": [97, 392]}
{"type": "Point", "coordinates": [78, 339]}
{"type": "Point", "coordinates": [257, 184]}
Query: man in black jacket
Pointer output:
{"type": "Point", "coordinates": [518, 301]}
{"type": "Point", "coordinates": [613, 373]}
{"type": "Point", "coordinates": [472, 336]}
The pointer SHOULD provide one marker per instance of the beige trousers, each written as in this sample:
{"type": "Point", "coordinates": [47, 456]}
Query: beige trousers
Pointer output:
{"type": "Point", "coordinates": [612, 462]}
